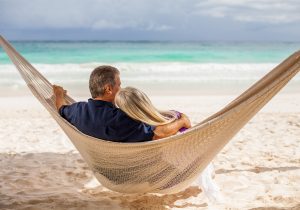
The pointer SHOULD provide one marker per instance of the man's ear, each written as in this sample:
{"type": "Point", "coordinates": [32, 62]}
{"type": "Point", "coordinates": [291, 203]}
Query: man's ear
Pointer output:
{"type": "Point", "coordinates": [107, 89]}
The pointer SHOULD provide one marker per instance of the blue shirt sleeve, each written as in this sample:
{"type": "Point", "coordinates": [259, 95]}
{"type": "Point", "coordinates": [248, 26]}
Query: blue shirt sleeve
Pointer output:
{"type": "Point", "coordinates": [69, 112]}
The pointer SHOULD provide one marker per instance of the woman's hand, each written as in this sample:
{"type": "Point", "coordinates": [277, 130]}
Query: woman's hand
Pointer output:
{"type": "Point", "coordinates": [186, 121]}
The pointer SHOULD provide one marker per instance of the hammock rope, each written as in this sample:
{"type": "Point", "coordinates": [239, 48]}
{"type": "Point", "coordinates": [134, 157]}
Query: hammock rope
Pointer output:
{"type": "Point", "coordinates": [167, 165]}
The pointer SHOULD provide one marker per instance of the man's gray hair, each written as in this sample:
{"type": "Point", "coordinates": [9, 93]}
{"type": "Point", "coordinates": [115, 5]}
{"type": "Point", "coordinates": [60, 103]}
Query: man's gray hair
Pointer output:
{"type": "Point", "coordinates": [101, 76]}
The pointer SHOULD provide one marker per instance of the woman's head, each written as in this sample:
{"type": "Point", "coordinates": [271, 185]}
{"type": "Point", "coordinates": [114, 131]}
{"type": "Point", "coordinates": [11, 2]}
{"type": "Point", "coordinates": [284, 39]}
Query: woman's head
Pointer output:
{"type": "Point", "coordinates": [138, 106]}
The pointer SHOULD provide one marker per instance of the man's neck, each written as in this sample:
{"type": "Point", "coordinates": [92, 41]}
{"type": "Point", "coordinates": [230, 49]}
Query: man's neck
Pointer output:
{"type": "Point", "coordinates": [103, 99]}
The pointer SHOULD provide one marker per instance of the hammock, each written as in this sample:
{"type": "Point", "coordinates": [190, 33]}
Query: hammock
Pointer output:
{"type": "Point", "coordinates": [170, 164]}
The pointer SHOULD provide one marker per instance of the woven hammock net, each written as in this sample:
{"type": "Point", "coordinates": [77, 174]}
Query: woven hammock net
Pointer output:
{"type": "Point", "coordinates": [170, 164]}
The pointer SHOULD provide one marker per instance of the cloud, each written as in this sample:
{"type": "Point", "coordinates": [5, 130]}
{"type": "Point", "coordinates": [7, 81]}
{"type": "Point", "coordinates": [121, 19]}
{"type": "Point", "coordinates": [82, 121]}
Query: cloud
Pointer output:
{"type": "Point", "coordinates": [155, 27]}
{"type": "Point", "coordinates": [151, 19]}
{"type": "Point", "coordinates": [261, 11]}
{"type": "Point", "coordinates": [107, 24]}
{"type": "Point", "coordinates": [93, 14]}
{"type": "Point", "coordinates": [154, 15]}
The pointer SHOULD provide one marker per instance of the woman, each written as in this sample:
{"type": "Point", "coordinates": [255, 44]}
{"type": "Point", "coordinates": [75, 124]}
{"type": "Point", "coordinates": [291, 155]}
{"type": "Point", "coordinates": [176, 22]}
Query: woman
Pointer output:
{"type": "Point", "coordinates": [138, 106]}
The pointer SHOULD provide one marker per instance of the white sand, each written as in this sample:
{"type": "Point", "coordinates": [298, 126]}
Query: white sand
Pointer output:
{"type": "Point", "coordinates": [258, 169]}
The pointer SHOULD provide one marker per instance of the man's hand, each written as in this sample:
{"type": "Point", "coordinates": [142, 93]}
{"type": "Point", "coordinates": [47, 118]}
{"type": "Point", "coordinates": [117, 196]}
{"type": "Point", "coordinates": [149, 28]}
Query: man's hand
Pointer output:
{"type": "Point", "coordinates": [59, 94]}
{"type": "Point", "coordinates": [58, 90]}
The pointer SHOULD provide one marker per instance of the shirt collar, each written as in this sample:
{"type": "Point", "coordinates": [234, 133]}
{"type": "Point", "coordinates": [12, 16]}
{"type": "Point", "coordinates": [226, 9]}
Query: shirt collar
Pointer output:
{"type": "Point", "coordinates": [101, 103]}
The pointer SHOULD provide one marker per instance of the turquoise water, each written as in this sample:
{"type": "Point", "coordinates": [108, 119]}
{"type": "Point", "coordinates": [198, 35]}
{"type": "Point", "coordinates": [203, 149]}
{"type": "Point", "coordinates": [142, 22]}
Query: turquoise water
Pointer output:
{"type": "Point", "coordinates": [59, 52]}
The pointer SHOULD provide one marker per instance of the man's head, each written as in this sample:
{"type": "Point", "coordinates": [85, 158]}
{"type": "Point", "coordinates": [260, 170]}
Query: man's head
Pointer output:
{"type": "Point", "coordinates": [105, 83]}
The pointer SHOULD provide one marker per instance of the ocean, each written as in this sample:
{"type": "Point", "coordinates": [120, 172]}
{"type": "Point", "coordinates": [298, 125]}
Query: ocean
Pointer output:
{"type": "Point", "coordinates": [59, 52]}
{"type": "Point", "coordinates": [159, 66]}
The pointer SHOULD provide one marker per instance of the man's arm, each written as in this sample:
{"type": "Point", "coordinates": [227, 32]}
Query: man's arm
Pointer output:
{"type": "Point", "coordinates": [172, 128]}
{"type": "Point", "coordinates": [59, 94]}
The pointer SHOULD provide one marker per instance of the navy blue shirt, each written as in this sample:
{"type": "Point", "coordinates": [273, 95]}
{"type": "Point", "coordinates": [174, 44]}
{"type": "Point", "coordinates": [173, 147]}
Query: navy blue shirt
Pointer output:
{"type": "Point", "coordinates": [101, 119]}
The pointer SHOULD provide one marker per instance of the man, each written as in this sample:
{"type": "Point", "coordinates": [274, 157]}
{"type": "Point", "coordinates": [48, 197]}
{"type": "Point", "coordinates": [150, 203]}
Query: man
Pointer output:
{"type": "Point", "coordinates": [101, 119]}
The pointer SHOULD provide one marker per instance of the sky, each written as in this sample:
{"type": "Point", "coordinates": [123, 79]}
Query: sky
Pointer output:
{"type": "Point", "coordinates": [174, 20]}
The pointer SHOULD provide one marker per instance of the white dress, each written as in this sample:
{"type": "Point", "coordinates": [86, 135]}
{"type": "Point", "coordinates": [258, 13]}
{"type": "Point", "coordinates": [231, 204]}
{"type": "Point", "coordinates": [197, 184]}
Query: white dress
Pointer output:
{"type": "Point", "coordinates": [208, 185]}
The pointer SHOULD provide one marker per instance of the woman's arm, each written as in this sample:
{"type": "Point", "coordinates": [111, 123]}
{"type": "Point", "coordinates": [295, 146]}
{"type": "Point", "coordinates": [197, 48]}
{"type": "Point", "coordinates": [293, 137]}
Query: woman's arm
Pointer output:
{"type": "Point", "coordinates": [172, 128]}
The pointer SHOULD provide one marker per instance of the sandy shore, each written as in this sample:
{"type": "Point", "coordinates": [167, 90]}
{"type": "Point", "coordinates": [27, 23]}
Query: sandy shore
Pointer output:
{"type": "Point", "coordinates": [258, 169]}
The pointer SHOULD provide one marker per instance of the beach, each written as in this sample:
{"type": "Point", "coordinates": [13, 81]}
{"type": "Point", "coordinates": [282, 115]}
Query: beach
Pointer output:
{"type": "Point", "coordinates": [258, 169]}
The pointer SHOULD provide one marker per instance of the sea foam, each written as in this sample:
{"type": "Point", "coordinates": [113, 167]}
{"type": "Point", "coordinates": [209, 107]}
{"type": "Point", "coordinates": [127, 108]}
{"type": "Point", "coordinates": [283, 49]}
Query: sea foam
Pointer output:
{"type": "Point", "coordinates": [151, 74]}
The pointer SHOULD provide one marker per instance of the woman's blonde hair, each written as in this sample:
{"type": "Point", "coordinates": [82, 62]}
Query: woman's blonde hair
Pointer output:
{"type": "Point", "coordinates": [138, 106]}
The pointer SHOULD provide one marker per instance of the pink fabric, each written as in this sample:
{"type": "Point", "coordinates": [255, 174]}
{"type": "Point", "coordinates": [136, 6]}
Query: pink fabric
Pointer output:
{"type": "Point", "coordinates": [178, 116]}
